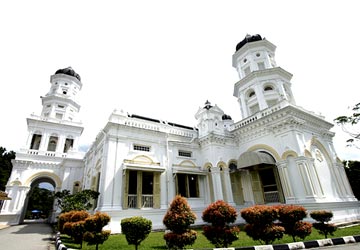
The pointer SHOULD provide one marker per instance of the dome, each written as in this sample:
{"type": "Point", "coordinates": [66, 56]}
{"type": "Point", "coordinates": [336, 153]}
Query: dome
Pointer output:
{"type": "Point", "coordinates": [226, 117]}
{"type": "Point", "coordinates": [248, 39]}
{"type": "Point", "coordinates": [68, 71]}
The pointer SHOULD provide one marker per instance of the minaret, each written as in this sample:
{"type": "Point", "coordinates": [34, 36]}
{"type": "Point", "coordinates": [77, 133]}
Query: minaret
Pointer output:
{"type": "Point", "coordinates": [262, 84]}
{"type": "Point", "coordinates": [57, 129]}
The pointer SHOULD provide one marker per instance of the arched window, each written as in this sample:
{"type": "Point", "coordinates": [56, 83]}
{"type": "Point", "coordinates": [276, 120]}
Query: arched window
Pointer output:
{"type": "Point", "coordinates": [76, 187]}
{"type": "Point", "coordinates": [35, 142]}
{"type": "Point", "coordinates": [52, 143]}
{"type": "Point", "coordinates": [69, 143]}
{"type": "Point", "coordinates": [268, 88]}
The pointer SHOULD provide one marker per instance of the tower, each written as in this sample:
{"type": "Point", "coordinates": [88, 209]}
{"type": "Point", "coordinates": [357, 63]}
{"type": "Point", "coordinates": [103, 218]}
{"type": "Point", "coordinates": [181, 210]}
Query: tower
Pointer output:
{"type": "Point", "coordinates": [57, 129]}
{"type": "Point", "coordinates": [51, 153]}
{"type": "Point", "coordinates": [262, 83]}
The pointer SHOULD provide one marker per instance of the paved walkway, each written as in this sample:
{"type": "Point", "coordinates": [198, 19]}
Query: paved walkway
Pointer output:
{"type": "Point", "coordinates": [30, 236]}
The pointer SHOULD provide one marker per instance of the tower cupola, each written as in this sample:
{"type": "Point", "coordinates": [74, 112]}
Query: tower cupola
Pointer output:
{"type": "Point", "coordinates": [262, 83]}
{"type": "Point", "coordinates": [60, 102]}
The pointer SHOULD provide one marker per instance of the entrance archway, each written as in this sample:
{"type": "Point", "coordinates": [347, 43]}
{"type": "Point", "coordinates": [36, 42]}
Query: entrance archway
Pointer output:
{"type": "Point", "coordinates": [264, 177]}
{"type": "Point", "coordinates": [39, 201]}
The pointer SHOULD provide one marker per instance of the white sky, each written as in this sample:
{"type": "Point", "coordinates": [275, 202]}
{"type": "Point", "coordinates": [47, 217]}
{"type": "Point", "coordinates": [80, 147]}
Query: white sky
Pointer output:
{"type": "Point", "coordinates": [164, 59]}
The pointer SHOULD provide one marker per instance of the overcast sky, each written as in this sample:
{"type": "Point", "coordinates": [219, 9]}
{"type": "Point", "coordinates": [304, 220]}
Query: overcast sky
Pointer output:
{"type": "Point", "coordinates": [164, 59]}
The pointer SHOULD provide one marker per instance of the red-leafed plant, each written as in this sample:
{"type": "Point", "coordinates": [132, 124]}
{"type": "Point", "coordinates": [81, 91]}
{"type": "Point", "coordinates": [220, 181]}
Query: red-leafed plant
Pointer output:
{"type": "Point", "coordinates": [260, 223]}
{"type": "Point", "coordinates": [94, 233]}
{"type": "Point", "coordinates": [322, 225]}
{"type": "Point", "coordinates": [291, 217]}
{"type": "Point", "coordinates": [178, 219]}
{"type": "Point", "coordinates": [72, 224]}
{"type": "Point", "coordinates": [220, 214]}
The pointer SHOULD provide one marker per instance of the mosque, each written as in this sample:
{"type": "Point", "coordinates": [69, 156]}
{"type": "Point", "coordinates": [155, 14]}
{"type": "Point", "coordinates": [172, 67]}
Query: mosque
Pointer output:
{"type": "Point", "coordinates": [278, 153]}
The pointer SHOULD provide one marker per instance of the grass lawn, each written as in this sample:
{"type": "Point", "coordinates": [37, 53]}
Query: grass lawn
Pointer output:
{"type": "Point", "coordinates": [155, 240]}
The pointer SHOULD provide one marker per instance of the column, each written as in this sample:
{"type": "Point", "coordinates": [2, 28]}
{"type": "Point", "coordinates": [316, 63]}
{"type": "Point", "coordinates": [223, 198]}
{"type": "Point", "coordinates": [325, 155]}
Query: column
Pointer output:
{"type": "Point", "coordinates": [305, 178]}
{"type": "Point", "coordinates": [216, 179]}
{"type": "Point", "coordinates": [243, 106]}
{"type": "Point", "coordinates": [227, 184]}
{"type": "Point", "coordinates": [260, 97]}
{"type": "Point", "coordinates": [285, 181]}
{"type": "Point", "coordinates": [247, 188]}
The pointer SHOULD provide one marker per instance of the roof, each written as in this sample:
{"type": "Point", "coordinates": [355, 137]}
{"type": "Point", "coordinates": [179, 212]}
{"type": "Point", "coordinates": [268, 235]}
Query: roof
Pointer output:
{"type": "Point", "coordinates": [68, 71]}
{"type": "Point", "coordinates": [248, 39]}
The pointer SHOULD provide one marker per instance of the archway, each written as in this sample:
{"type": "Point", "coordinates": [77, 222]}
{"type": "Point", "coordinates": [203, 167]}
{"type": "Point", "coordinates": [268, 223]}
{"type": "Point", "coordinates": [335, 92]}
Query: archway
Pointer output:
{"type": "Point", "coordinates": [39, 201]}
{"type": "Point", "coordinates": [263, 176]}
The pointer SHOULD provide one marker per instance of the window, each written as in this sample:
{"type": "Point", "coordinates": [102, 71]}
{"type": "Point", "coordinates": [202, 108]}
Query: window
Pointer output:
{"type": "Point", "coordinates": [76, 187]}
{"type": "Point", "coordinates": [252, 93]}
{"type": "Point", "coordinates": [185, 153]}
{"type": "Point", "coordinates": [52, 143]}
{"type": "Point", "coordinates": [261, 66]}
{"type": "Point", "coordinates": [68, 144]}
{"type": "Point", "coordinates": [61, 106]}
{"type": "Point", "coordinates": [268, 88]}
{"type": "Point", "coordinates": [64, 91]}
{"type": "Point", "coordinates": [35, 142]}
{"type": "Point", "coordinates": [141, 148]}
{"type": "Point", "coordinates": [187, 185]}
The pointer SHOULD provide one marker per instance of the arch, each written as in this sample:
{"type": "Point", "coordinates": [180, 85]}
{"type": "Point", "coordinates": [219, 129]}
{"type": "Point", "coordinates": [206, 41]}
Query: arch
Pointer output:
{"type": "Point", "coordinates": [288, 153]}
{"type": "Point", "coordinates": [142, 159]}
{"type": "Point", "coordinates": [264, 147]}
{"type": "Point", "coordinates": [307, 153]}
{"type": "Point", "coordinates": [208, 166]}
{"type": "Point", "coordinates": [268, 87]}
{"type": "Point", "coordinates": [43, 174]}
{"type": "Point", "coordinates": [221, 164]}
{"type": "Point", "coordinates": [187, 163]}
{"type": "Point", "coordinates": [252, 158]}
{"type": "Point", "coordinates": [250, 93]}
{"type": "Point", "coordinates": [315, 142]}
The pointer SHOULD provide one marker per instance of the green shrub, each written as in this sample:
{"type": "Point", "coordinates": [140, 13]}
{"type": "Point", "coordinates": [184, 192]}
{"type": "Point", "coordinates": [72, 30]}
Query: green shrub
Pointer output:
{"type": "Point", "coordinates": [291, 217]}
{"type": "Point", "coordinates": [323, 226]}
{"type": "Point", "coordinates": [220, 214]}
{"type": "Point", "coordinates": [94, 233]}
{"type": "Point", "coordinates": [178, 219]}
{"type": "Point", "coordinates": [136, 229]}
{"type": "Point", "coordinates": [261, 226]}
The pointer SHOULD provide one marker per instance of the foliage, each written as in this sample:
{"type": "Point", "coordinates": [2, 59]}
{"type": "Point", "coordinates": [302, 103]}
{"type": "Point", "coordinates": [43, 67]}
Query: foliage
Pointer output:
{"type": "Point", "coordinates": [180, 240]}
{"type": "Point", "coordinates": [72, 224]}
{"type": "Point", "coordinates": [291, 217]}
{"type": "Point", "coordinates": [155, 240]}
{"type": "Point", "coordinates": [136, 229]}
{"type": "Point", "coordinates": [261, 226]}
{"type": "Point", "coordinates": [322, 225]}
{"type": "Point", "coordinates": [351, 120]}
{"type": "Point", "coordinates": [220, 214]}
{"type": "Point", "coordinates": [5, 166]}
{"type": "Point", "coordinates": [94, 233]}
{"type": "Point", "coordinates": [78, 201]}
{"type": "Point", "coordinates": [352, 170]}
{"type": "Point", "coordinates": [178, 219]}
{"type": "Point", "coordinates": [41, 199]}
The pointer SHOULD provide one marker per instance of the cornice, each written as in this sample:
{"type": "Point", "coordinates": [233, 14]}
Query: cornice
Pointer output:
{"type": "Point", "coordinates": [282, 120]}
{"type": "Point", "coordinates": [213, 138]}
{"type": "Point", "coordinates": [260, 74]}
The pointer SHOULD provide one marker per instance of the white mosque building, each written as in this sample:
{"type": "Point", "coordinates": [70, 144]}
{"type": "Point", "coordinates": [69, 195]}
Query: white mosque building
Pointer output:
{"type": "Point", "coordinates": [277, 153]}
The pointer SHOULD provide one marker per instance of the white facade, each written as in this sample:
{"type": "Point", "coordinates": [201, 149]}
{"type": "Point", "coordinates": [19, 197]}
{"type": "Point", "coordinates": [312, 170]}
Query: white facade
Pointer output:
{"type": "Point", "coordinates": [277, 153]}
{"type": "Point", "coordinates": [50, 153]}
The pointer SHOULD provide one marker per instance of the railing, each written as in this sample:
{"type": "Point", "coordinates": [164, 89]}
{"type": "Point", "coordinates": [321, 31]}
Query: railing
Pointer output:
{"type": "Point", "coordinates": [271, 196]}
{"type": "Point", "coordinates": [132, 201]}
{"type": "Point", "coordinates": [147, 201]}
